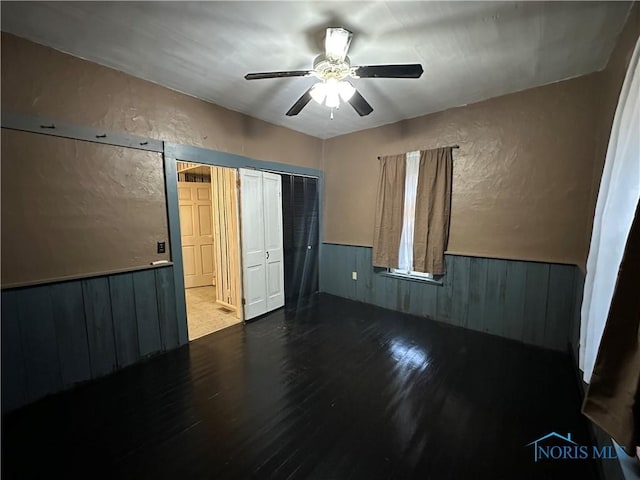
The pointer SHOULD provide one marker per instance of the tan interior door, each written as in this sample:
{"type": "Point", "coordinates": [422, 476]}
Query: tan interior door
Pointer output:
{"type": "Point", "coordinates": [197, 233]}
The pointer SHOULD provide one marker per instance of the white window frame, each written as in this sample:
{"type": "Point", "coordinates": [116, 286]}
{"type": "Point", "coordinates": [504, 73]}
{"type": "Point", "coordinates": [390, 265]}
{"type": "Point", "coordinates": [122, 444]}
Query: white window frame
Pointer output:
{"type": "Point", "coordinates": [411, 273]}
{"type": "Point", "coordinates": [406, 243]}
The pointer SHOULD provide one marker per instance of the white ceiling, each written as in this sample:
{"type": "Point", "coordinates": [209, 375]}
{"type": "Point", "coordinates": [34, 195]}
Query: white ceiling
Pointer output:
{"type": "Point", "coordinates": [470, 51]}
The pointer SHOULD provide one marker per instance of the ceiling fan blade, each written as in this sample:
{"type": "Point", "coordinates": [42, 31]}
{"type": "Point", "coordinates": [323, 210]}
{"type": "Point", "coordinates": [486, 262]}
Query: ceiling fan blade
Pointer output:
{"type": "Point", "coordinates": [360, 105]}
{"type": "Point", "coordinates": [413, 70]}
{"type": "Point", "coordinates": [300, 104]}
{"type": "Point", "coordinates": [290, 73]}
{"type": "Point", "coordinates": [336, 43]}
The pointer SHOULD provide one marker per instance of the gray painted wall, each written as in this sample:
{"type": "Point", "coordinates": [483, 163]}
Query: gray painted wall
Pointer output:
{"type": "Point", "coordinates": [57, 335]}
{"type": "Point", "coordinates": [527, 301]}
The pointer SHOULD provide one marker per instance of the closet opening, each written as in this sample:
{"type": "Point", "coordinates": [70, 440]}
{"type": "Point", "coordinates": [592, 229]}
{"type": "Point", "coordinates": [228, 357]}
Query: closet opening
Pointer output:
{"type": "Point", "coordinates": [300, 211]}
{"type": "Point", "coordinates": [249, 241]}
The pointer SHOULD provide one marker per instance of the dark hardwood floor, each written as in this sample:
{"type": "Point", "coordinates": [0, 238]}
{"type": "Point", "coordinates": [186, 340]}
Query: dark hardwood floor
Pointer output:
{"type": "Point", "coordinates": [336, 390]}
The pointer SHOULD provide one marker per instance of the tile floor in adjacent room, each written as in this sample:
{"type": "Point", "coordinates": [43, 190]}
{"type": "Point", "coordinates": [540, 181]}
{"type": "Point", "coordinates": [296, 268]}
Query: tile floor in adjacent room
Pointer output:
{"type": "Point", "coordinates": [204, 315]}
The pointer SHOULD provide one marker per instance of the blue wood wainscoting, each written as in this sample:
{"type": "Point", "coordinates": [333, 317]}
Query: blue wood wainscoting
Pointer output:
{"type": "Point", "coordinates": [575, 324]}
{"type": "Point", "coordinates": [59, 334]}
{"type": "Point", "coordinates": [532, 302]}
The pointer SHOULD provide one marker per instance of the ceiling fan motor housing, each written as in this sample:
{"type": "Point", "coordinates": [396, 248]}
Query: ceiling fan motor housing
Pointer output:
{"type": "Point", "coordinates": [325, 68]}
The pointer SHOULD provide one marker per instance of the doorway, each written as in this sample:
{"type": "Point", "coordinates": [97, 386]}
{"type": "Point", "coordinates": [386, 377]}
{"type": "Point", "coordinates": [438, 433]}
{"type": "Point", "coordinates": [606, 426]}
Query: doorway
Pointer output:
{"type": "Point", "coordinates": [250, 242]}
{"type": "Point", "coordinates": [300, 211]}
{"type": "Point", "coordinates": [208, 210]}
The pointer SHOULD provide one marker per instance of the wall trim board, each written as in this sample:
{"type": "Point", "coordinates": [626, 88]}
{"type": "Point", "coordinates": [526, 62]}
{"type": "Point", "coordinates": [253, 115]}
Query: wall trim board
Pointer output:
{"type": "Point", "coordinates": [175, 243]}
{"type": "Point", "coordinates": [175, 152]}
{"type": "Point", "coordinates": [53, 335]}
{"type": "Point", "coordinates": [88, 275]}
{"type": "Point", "coordinates": [232, 160]}
{"type": "Point", "coordinates": [472, 254]}
{"type": "Point", "coordinates": [44, 126]}
{"type": "Point", "coordinates": [531, 302]}
{"type": "Point", "coordinates": [515, 259]}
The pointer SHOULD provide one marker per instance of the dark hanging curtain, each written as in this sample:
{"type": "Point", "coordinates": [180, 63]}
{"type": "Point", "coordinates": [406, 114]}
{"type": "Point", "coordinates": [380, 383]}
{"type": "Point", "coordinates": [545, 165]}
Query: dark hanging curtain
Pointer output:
{"type": "Point", "coordinates": [389, 211]}
{"type": "Point", "coordinates": [433, 210]}
{"type": "Point", "coordinates": [612, 396]}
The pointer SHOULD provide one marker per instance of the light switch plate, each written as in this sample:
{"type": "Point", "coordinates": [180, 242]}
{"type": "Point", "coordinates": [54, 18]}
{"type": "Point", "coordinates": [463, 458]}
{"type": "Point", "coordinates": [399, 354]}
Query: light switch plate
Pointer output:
{"type": "Point", "coordinates": [354, 275]}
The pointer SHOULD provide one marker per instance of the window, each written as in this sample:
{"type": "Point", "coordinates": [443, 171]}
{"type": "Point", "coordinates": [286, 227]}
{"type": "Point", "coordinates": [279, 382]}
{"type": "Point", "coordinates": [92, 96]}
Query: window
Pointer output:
{"type": "Point", "coordinates": [411, 273]}
{"type": "Point", "coordinates": [418, 184]}
{"type": "Point", "coordinates": [405, 266]}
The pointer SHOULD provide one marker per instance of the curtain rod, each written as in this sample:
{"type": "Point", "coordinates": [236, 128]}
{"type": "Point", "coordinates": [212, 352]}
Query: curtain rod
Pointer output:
{"type": "Point", "coordinates": [452, 146]}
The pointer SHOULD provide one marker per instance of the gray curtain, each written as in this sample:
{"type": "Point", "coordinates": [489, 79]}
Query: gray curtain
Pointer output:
{"type": "Point", "coordinates": [389, 211]}
{"type": "Point", "coordinates": [433, 210]}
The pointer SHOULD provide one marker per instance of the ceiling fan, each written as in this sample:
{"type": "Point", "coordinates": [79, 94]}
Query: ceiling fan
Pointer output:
{"type": "Point", "coordinates": [332, 69]}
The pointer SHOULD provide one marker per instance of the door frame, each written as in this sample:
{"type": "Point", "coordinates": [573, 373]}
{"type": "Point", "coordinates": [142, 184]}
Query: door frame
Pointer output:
{"type": "Point", "coordinates": [174, 152]}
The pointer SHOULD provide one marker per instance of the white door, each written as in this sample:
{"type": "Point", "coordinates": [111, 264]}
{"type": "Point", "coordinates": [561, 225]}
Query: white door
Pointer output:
{"type": "Point", "coordinates": [262, 257]}
{"type": "Point", "coordinates": [253, 253]}
{"type": "Point", "coordinates": [272, 193]}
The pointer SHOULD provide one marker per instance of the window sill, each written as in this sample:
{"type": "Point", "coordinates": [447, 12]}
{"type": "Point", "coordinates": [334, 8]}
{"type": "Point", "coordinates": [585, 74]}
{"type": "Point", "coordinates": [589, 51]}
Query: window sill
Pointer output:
{"type": "Point", "coordinates": [411, 278]}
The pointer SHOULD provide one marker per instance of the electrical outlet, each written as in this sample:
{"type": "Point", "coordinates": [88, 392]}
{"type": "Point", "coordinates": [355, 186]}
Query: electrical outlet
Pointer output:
{"type": "Point", "coordinates": [354, 275]}
{"type": "Point", "coordinates": [162, 247]}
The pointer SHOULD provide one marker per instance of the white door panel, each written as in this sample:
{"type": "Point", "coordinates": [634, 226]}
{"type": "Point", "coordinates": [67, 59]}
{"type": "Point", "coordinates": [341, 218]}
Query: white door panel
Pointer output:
{"type": "Point", "coordinates": [272, 192]}
{"type": "Point", "coordinates": [206, 253]}
{"type": "Point", "coordinates": [196, 229]}
{"type": "Point", "coordinates": [189, 259]}
{"type": "Point", "coordinates": [253, 253]}
{"type": "Point", "coordinates": [262, 252]}
{"type": "Point", "coordinates": [255, 293]}
{"type": "Point", "coordinates": [272, 211]}
{"type": "Point", "coordinates": [252, 207]}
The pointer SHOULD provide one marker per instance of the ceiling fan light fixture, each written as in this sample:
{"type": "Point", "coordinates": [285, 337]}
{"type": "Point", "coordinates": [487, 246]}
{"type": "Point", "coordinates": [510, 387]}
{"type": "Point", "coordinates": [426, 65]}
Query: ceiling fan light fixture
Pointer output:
{"type": "Point", "coordinates": [319, 92]}
{"type": "Point", "coordinates": [330, 91]}
{"type": "Point", "coordinates": [336, 43]}
{"type": "Point", "coordinates": [333, 99]}
{"type": "Point", "coordinates": [346, 90]}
